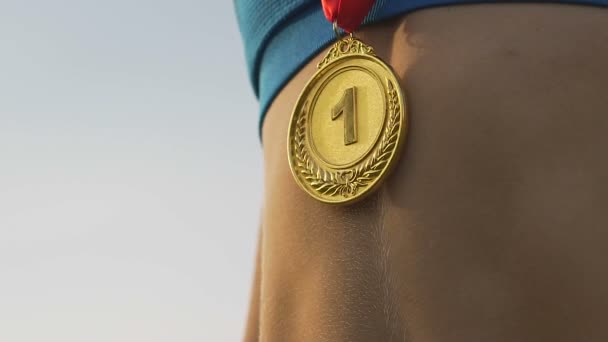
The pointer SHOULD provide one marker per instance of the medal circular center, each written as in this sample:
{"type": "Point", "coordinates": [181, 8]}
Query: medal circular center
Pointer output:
{"type": "Point", "coordinates": [347, 116]}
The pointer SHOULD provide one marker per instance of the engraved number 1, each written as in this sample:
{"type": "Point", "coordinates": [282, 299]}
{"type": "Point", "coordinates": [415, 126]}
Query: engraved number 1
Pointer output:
{"type": "Point", "coordinates": [347, 106]}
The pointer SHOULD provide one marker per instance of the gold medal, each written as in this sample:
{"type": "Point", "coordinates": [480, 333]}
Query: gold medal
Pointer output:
{"type": "Point", "coordinates": [347, 126]}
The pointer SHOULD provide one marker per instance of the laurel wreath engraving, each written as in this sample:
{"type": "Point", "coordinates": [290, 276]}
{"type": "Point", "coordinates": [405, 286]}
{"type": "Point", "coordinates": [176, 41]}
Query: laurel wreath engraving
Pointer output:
{"type": "Point", "coordinates": [347, 183]}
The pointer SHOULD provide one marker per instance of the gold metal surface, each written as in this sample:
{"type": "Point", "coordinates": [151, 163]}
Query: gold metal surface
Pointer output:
{"type": "Point", "coordinates": [347, 126]}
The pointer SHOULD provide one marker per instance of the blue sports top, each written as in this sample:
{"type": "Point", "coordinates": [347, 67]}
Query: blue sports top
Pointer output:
{"type": "Point", "coordinates": [280, 36]}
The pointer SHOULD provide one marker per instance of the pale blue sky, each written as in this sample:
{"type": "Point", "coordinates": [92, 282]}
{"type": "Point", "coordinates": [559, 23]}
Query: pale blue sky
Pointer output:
{"type": "Point", "coordinates": [130, 171]}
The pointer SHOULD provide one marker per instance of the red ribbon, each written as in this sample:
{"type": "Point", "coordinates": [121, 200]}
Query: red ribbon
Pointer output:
{"type": "Point", "coordinates": [348, 14]}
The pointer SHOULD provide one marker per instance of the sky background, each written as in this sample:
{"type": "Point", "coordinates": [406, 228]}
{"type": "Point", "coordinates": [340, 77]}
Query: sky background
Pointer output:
{"type": "Point", "coordinates": [130, 171]}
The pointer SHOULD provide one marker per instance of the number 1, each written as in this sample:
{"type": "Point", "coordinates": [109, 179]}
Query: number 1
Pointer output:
{"type": "Point", "coordinates": [347, 106]}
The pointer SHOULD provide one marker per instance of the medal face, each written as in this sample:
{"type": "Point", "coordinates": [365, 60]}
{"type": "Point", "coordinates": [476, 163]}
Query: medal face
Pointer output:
{"type": "Point", "coordinates": [347, 126]}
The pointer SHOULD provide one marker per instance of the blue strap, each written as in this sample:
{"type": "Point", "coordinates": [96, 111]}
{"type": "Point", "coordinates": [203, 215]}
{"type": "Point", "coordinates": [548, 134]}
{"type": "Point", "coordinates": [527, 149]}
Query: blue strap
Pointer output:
{"type": "Point", "coordinates": [281, 36]}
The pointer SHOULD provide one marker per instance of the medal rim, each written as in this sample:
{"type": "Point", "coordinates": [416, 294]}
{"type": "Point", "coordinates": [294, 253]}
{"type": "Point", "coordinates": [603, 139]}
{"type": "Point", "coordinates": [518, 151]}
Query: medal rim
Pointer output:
{"type": "Point", "coordinates": [402, 131]}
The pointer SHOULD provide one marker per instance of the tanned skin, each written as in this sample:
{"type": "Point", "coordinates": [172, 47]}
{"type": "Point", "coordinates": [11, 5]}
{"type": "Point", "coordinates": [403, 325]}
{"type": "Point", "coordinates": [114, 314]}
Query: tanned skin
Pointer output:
{"type": "Point", "coordinates": [494, 225]}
